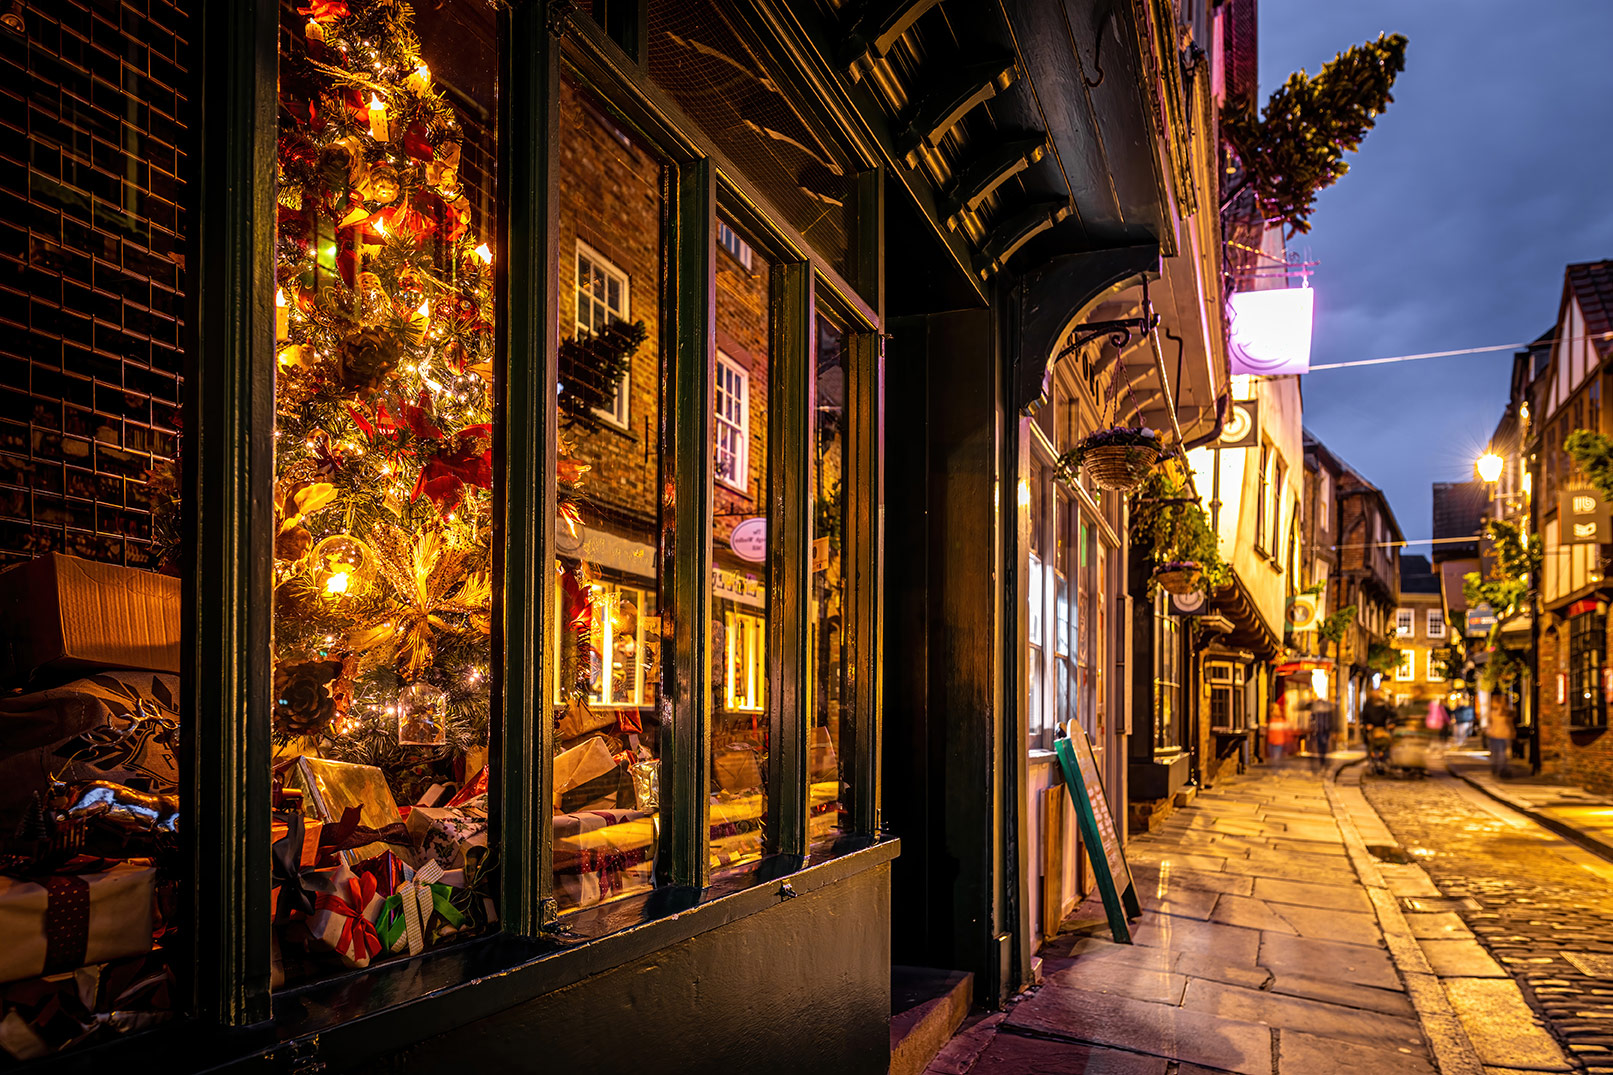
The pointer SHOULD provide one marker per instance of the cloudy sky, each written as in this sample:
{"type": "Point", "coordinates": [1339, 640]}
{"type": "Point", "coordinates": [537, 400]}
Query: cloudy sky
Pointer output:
{"type": "Point", "coordinates": [1492, 170]}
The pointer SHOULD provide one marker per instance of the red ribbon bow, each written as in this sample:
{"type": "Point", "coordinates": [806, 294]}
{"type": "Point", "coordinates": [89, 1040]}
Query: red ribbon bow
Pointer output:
{"type": "Point", "coordinates": [358, 933]}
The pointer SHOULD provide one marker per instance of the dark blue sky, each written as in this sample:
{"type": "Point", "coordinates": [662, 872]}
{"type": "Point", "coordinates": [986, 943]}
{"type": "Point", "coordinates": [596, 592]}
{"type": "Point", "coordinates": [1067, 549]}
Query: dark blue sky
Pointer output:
{"type": "Point", "coordinates": [1492, 170]}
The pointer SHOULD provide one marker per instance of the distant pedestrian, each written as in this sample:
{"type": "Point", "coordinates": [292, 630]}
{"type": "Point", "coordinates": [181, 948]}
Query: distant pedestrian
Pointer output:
{"type": "Point", "coordinates": [1377, 712]}
{"type": "Point", "coordinates": [1462, 720]}
{"type": "Point", "coordinates": [1499, 731]}
{"type": "Point", "coordinates": [1321, 733]}
{"type": "Point", "coordinates": [1437, 720]}
{"type": "Point", "coordinates": [1276, 735]}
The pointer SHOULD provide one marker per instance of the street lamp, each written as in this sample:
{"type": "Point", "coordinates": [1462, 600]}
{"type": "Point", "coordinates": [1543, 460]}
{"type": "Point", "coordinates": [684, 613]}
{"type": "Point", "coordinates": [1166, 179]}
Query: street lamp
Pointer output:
{"type": "Point", "coordinates": [1490, 466]}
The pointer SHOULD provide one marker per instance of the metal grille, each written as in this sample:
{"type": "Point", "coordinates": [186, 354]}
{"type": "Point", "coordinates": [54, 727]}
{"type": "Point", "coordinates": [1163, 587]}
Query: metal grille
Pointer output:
{"type": "Point", "coordinates": [699, 55]}
{"type": "Point", "coordinates": [93, 101]}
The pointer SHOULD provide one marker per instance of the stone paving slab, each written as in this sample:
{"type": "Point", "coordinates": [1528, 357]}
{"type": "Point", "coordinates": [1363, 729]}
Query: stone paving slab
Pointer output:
{"type": "Point", "coordinates": [1228, 943]}
{"type": "Point", "coordinates": [1162, 1030]}
{"type": "Point", "coordinates": [1250, 914]}
{"type": "Point", "coordinates": [1158, 986]}
{"type": "Point", "coordinates": [1345, 927]}
{"type": "Point", "coordinates": [1440, 925]}
{"type": "Point", "coordinates": [1297, 1013]}
{"type": "Point", "coordinates": [1172, 876]}
{"type": "Point", "coordinates": [1300, 1053]}
{"type": "Point", "coordinates": [1334, 897]}
{"type": "Point", "coordinates": [1502, 1026]}
{"type": "Point", "coordinates": [1348, 994]}
{"type": "Point", "coordinates": [1283, 954]}
{"type": "Point", "coordinates": [1460, 959]}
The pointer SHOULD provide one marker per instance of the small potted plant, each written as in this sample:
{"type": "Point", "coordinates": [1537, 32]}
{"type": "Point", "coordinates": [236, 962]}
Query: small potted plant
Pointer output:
{"type": "Point", "coordinates": [1175, 533]}
{"type": "Point", "coordinates": [1119, 459]}
{"type": "Point", "coordinates": [1179, 576]}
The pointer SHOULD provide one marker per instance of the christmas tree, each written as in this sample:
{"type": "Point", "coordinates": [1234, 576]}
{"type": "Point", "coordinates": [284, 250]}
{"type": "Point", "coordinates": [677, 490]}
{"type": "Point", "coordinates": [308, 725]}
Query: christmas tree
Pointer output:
{"type": "Point", "coordinates": [383, 406]}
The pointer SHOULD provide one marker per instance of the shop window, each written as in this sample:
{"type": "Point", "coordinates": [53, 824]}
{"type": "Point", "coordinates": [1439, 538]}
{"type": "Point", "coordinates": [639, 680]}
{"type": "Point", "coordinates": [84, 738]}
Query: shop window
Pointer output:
{"type": "Point", "coordinates": [1587, 647]}
{"type": "Point", "coordinates": [609, 635]}
{"type": "Point", "coordinates": [1435, 623]}
{"type": "Point", "coordinates": [1227, 696]}
{"type": "Point", "coordinates": [92, 515]}
{"type": "Point", "coordinates": [383, 482]}
{"type": "Point", "coordinates": [602, 299]}
{"type": "Point", "coordinates": [1037, 723]}
{"type": "Point", "coordinates": [1066, 610]}
{"type": "Point", "coordinates": [831, 701]}
{"type": "Point", "coordinates": [1405, 623]}
{"type": "Point", "coordinates": [1263, 499]}
{"type": "Point", "coordinates": [732, 407]}
{"type": "Point", "coordinates": [1406, 669]}
{"type": "Point", "coordinates": [740, 541]}
{"type": "Point", "coordinates": [1167, 676]}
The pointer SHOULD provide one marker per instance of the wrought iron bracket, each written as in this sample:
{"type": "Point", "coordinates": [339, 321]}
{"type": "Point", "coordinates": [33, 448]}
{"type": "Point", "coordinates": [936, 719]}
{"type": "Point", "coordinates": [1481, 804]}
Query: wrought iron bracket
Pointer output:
{"type": "Point", "coordinates": [1120, 332]}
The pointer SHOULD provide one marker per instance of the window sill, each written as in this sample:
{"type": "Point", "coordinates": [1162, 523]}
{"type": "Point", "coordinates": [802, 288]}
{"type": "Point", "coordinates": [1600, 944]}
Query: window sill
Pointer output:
{"type": "Point", "coordinates": [1039, 757]}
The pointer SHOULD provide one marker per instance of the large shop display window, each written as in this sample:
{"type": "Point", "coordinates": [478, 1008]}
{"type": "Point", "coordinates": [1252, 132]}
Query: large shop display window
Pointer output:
{"type": "Point", "coordinates": [383, 555]}
{"type": "Point", "coordinates": [92, 714]}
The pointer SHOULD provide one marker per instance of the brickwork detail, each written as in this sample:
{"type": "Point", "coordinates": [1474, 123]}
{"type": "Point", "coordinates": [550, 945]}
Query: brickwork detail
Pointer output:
{"type": "Point", "coordinates": [92, 116]}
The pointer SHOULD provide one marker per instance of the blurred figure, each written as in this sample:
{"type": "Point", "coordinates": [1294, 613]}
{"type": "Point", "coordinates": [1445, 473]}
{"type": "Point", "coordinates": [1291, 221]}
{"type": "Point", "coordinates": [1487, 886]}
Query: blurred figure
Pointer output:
{"type": "Point", "coordinates": [1377, 713]}
{"type": "Point", "coordinates": [1321, 732]}
{"type": "Point", "coordinates": [1462, 722]}
{"type": "Point", "coordinates": [1499, 731]}
{"type": "Point", "coordinates": [1276, 735]}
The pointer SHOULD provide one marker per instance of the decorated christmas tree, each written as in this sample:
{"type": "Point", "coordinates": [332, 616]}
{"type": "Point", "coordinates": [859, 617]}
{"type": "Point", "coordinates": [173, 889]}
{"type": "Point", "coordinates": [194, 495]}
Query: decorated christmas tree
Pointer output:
{"type": "Point", "coordinates": [383, 401]}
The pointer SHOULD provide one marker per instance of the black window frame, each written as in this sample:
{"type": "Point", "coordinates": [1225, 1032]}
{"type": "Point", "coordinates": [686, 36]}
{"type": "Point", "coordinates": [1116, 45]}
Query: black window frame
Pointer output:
{"type": "Point", "coordinates": [1587, 654]}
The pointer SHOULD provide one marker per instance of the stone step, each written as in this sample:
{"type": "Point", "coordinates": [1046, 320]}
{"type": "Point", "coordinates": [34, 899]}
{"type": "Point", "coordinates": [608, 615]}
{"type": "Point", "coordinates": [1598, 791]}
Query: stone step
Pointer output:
{"type": "Point", "coordinates": [927, 1006]}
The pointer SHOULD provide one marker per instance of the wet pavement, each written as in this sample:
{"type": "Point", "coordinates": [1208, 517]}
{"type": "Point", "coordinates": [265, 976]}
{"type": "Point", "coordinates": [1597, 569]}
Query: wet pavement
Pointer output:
{"type": "Point", "coordinates": [1539, 908]}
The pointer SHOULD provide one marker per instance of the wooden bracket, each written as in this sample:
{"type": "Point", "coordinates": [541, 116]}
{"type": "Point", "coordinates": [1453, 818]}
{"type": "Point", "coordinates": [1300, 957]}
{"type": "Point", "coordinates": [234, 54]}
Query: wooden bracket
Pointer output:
{"type": "Point", "coordinates": [941, 108]}
{"type": "Point", "coordinates": [1018, 231]}
{"type": "Point", "coordinates": [989, 171]}
{"type": "Point", "coordinates": [876, 31]}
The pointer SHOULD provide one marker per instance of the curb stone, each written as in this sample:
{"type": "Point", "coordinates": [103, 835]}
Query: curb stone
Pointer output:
{"type": "Point", "coordinates": [1442, 1028]}
{"type": "Point", "coordinates": [1544, 820]}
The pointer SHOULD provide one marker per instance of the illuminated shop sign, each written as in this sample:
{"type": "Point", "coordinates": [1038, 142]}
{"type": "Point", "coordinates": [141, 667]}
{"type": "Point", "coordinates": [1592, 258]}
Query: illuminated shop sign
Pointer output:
{"type": "Point", "coordinates": [1270, 331]}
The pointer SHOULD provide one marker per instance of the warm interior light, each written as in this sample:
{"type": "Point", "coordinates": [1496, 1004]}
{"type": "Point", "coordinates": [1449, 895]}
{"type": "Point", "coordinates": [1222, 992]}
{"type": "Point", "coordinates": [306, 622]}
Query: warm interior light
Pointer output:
{"type": "Point", "coordinates": [376, 102]}
{"type": "Point", "coordinates": [425, 308]}
{"type": "Point", "coordinates": [279, 297]}
{"type": "Point", "coordinates": [380, 226]}
{"type": "Point", "coordinates": [1490, 466]}
{"type": "Point", "coordinates": [338, 581]}
{"type": "Point", "coordinates": [485, 252]}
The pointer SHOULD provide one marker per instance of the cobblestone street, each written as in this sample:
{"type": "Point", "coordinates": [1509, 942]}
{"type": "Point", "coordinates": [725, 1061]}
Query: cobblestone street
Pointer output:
{"type": "Point", "coordinates": [1543, 908]}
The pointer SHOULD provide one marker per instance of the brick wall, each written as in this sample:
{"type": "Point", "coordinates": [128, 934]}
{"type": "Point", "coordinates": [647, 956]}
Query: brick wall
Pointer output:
{"type": "Point", "coordinates": [1573, 756]}
{"type": "Point", "coordinates": [93, 101]}
{"type": "Point", "coordinates": [610, 198]}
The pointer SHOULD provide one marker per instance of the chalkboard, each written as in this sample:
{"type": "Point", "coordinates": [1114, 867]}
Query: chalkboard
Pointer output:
{"type": "Point", "coordinates": [1098, 829]}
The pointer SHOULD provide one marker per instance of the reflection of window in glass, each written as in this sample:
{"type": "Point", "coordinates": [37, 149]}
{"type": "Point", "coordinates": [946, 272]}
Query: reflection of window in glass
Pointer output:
{"type": "Point", "coordinates": [746, 674]}
{"type": "Point", "coordinates": [615, 658]}
{"type": "Point", "coordinates": [602, 298]}
{"type": "Point", "coordinates": [1035, 660]}
{"type": "Point", "coordinates": [741, 531]}
{"type": "Point", "coordinates": [732, 407]}
{"type": "Point", "coordinates": [830, 701]}
{"type": "Point", "coordinates": [607, 635]}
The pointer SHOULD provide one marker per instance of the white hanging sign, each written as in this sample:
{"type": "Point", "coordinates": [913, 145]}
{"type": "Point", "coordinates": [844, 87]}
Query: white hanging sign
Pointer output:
{"type": "Point", "coordinates": [1270, 331]}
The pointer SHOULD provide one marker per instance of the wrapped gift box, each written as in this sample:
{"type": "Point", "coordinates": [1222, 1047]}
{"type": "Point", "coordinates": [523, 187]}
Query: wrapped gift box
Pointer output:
{"type": "Point", "coordinates": [59, 613]}
{"type": "Point", "coordinates": [65, 921]}
{"type": "Point", "coordinates": [331, 787]}
{"type": "Point", "coordinates": [444, 833]}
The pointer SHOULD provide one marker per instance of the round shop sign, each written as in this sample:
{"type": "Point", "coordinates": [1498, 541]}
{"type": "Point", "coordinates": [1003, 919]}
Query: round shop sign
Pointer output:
{"type": "Point", "coordinates": [749, 540]}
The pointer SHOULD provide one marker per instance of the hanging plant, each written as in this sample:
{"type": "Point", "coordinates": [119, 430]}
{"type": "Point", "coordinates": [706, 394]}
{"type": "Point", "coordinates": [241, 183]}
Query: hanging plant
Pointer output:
{"type": "Point", "coordinates": [1119, 459]}
{"type": "Point", "coordinates": [1174, 532]}
{"type": "Point", "coordinates": [592, 365]}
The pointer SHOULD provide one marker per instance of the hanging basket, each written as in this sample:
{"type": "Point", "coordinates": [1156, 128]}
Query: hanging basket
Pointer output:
{"type": "Point", "coordinates": [1119, 467]}
{"type": "Point", "coordinates": [1180, 578]}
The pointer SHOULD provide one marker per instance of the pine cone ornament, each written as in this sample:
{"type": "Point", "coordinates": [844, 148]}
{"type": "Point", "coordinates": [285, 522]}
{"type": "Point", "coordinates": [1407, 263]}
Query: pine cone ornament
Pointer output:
{"type": "Point", "coordinates": [305, 697]}
{"type": "Point", "coordinates": [367, 358]}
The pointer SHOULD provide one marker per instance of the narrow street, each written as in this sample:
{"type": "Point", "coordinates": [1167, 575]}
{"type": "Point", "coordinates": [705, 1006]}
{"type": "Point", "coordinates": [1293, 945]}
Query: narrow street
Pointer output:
{"type": "Point", "coordinates": [1541, 907]}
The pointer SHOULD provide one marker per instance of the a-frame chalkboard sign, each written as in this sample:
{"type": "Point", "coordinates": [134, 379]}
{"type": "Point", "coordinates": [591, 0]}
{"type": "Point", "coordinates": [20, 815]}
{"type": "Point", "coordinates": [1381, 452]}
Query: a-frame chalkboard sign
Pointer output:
{"type": "Point", "coordinates": [1098, 829]}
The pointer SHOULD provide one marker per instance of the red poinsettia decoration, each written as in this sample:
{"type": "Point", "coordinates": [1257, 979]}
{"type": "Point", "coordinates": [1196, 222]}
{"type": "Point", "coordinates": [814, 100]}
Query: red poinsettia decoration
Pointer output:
{"type": "Point", "coordinates": [467, 460]}
{"type": "Point", "coordinates": [325, 10]}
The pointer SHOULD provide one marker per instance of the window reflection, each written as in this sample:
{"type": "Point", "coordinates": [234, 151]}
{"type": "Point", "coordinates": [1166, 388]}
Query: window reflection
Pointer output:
{"type": "Point", "coordinates": [830, 702]}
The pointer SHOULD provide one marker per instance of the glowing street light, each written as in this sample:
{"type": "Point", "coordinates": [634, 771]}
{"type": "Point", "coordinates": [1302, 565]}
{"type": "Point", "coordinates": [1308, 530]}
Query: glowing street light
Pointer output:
{"type": "Point", "coordinates": [1490, 466]}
